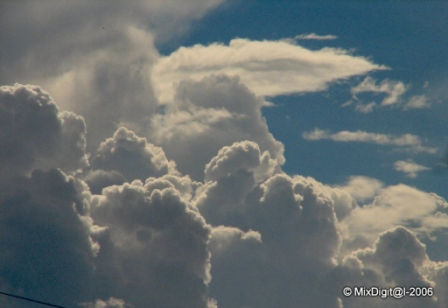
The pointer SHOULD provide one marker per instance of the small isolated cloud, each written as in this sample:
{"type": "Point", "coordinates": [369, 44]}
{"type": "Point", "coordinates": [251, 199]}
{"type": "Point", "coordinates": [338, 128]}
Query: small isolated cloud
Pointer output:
{"type": "Point", "coordinates": [406, 141]}
{"type": "Point", "coordinates": [392, 91]}
{"type": "Point", "coordinates": [110, 303]}
{"type": "Point", "coordinates": [314, 36]}
{"type": "Point", "coordinates": [268, 68]}
{"type": "Point", "coordinates": [409, 167]}
{"type": "Point", "coordinates": [417, 102]}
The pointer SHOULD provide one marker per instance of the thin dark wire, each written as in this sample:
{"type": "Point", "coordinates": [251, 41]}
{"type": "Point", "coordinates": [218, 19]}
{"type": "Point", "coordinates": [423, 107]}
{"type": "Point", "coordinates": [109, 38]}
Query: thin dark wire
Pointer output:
{"type": "Point", "coordinates": [30, 300]}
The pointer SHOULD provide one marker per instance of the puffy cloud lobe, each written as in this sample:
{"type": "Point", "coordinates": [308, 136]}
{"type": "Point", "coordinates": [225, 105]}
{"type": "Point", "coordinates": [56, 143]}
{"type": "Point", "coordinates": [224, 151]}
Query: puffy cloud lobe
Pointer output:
{"type": "Point", "coordinates": [35, 134]}
{"type": "Point", "coordinates": [268, 68]}
{"type": "Point", "coordinates": [343, 201]}
{"type": "Point", "coordinates": [154, 252]}
{"type": "Point", "coordinates": [46, 248]}
{"type": "Point", "coordinates": [132, 156]}
{"type": "Point", "coordinates": [208, 115]}
{"type": "Point", "coordinates": [230, 176]}
{"type": "Point", "coordinates": [399, 254]}
{"type": "Point", "coordinates": [244, 155]}
{"type": "Point", "coordinates": [183, 184]}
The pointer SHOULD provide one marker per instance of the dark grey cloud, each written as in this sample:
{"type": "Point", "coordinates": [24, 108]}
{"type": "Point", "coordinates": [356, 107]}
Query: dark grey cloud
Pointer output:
{"type": "Point", "coordinates": [136, 245]}
{"type": "Point", "coordinates": [46, 248]}
{"type": "Point", "coordinates": [35, 134]}
{"type": "Point", "coordinates": [155, 249]}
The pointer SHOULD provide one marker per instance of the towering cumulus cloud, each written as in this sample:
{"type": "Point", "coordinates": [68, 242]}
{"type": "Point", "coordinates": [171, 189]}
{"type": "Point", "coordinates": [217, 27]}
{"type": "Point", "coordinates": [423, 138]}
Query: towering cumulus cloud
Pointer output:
{"type": "Point", "coordinates": [208, 115]}
{"type": "Point", "coordinates": [129, 178]}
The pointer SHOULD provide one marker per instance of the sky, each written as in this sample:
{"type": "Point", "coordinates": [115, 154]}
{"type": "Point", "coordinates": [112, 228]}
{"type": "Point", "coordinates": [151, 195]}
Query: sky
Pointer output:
{"type": "Point", "coordinates": [223, 153]}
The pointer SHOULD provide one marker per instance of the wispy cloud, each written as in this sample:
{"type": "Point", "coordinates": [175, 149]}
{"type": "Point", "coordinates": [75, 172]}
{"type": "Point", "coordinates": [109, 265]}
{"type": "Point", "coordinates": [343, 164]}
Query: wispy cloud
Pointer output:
{"type": "Point", "coordinates": [392, 91]}
{"type": "Point", "coordinates": [417, 102]}
{"type": "Point", "coordinates": [314, 36]}
{"type": "Point", "coordinates": [409, 167]}
{"type": "Point", "coordinates": [408, 141]}
{"type": "Point", "coordinates": [268, 68]}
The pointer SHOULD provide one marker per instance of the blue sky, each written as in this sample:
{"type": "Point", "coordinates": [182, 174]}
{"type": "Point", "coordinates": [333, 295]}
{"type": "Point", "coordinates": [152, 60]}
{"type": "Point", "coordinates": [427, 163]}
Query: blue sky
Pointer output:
{"type": "Point", "coordinates": [409, 37]}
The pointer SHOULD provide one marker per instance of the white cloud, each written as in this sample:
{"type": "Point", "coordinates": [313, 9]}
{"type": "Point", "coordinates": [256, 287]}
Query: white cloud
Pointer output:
{"type": "Point", "coordinates": [314, 36]}
{"type": "Point", "coordinates": [244, 155]}
{"type": "Point", "coordinates": [393, 92]}
{"type": "Point", "coordinates": [207, 115]}
{"type": "Point", "coordinates": [392, 89]}
{"type": "Point", "coordinates": [409, 167]}
{"type": "Point", "coordinates": [398, 205]}
{"type": "Point", "coordinates": [406, 141]}
{"type": "Point", "coordinates": [417, 102]}
{"type": "Point", "coordinates": [362, 188]}
{"type": "Point", "coordinates": [268, 68]}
